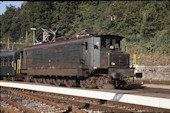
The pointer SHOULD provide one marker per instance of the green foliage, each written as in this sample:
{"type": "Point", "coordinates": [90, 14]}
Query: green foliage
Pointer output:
{"type": "Point", "coordinates": [145, 24]}
{"type": "Point", "coordinates": [7, 20]}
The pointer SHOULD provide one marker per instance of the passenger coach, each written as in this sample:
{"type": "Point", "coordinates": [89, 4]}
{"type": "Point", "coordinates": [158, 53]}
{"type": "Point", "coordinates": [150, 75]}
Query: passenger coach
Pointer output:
{"type": "Point", "coordinates": [8, 64]}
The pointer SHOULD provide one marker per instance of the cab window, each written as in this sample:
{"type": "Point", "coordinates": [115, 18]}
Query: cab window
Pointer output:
{"type": "Point", "coordinates": [110, 43]}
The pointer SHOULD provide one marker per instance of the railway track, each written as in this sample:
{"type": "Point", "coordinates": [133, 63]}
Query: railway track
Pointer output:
{"type": "Point", "coordinates": [25, 103]}
{"type": "Point", "coordinates": [32, 104]}
{"type": "Point", "coordinates": [33, 101]}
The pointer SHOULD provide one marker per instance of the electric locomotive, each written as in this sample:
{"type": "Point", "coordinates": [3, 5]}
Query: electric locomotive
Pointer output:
{"type": "Point", "coordinates": [92, 61]}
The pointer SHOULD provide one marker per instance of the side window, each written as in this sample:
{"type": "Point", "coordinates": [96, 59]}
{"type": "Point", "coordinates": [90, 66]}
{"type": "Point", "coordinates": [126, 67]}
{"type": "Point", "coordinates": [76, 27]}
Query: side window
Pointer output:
{"type": "Point", "coordinates": [112, 42]}
{"type": "Point", "coordinates": [10, 61]}
{"type": "Point", "coordinates": [6, 61]}
{"type": "Point", "coordinates": [21, 55]}
{"type": "Point", "coordinates": [107, 43]}
{"type": "Point", "coordinates": [1, 61]}
{"type": "Point", "coordinates": [86, 46]}
{"type": "Point", "coordinates": [116, 45]}
{"type": "Point", "coordinates": [103, 42]}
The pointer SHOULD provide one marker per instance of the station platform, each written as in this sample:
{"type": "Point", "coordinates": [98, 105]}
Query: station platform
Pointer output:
{"type": "Point", "coordinates": [135, 96]}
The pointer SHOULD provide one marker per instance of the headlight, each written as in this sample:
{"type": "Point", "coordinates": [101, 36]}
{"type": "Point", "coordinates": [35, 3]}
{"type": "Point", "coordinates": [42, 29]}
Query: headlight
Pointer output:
{"type": "Point", "coordinates": [94, 67]}
{"type": "Point", "coordinates": [113, 64]}
{"type": "Point", "coordinates": [112, 47]}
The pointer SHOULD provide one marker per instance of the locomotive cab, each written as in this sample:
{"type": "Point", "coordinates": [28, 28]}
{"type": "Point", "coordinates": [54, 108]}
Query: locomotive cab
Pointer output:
{"type": "Point", "coordinates": [107, 59]}
{"type": "Point", "coordinates": [114, 59]}
{"type": "Point", "coordinates": [98, 52]}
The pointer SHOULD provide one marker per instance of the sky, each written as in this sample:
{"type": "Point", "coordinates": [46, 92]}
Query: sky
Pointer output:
{"type": "Point", "coordinates": [3, 5]}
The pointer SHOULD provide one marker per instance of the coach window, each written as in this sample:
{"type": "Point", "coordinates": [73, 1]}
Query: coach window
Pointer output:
{"type": "Point", "coordinates": [6, 61]}
{"type": "Point", "coordinates": [1, 61]}
{"type": "Point", "coordinates": [10, 61]}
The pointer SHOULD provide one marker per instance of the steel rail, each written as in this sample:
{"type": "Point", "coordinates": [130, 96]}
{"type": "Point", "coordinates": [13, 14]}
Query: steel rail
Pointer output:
{"type": "Point", "coordinates": [48, 102]}
{"type": "Point", "coordinates": [100, 103]}
{"type": "Point", "coordinates": [6, 110]}
{"type": "Point", "coordinates": [83, 105]}
{"type": "Point", "coordinates": [25, 110]}
{"type": "Point", "coordinates": [86, 102]}
{"type": "Point", "coordinates": [114, 103]}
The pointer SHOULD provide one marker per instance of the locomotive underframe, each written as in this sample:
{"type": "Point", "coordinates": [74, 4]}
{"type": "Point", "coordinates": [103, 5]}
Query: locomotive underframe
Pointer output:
{"type": "Point", "coordinates": [102, 77]}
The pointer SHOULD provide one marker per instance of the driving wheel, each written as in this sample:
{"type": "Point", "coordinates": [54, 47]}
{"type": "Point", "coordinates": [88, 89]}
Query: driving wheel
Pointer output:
{"type": "Point", "coordinates": [39, 80]}
{"type": "Point", "coordinates": [69, 83]}
{"type": "Point", "coordinates": [101, 82]}
{"type": "Point", "coordinates": [46, 81]}
{"type": "Point", "coordinates": [83, 84]}
{"type": "Point", "coordinates": [56, 82]}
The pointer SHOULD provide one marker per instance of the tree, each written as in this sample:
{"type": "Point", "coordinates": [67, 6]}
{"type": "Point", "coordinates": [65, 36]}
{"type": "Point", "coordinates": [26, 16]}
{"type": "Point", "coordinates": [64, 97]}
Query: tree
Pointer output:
{"type": "Point", "coordinates": [6, 20]}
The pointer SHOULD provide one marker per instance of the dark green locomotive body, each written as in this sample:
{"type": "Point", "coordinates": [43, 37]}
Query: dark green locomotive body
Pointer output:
{"type": "Point", "coordinates": [91, 56]}
{"type": "Point", "coordinates": [89, 62]}
{"type": "Point", "coordinates": [60, 58]}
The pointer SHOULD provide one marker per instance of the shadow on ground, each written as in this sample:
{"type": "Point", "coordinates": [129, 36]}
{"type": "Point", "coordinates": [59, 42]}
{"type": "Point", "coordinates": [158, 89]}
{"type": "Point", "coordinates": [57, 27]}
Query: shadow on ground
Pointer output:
{"type": "Point", "coordinates": [135, 86]}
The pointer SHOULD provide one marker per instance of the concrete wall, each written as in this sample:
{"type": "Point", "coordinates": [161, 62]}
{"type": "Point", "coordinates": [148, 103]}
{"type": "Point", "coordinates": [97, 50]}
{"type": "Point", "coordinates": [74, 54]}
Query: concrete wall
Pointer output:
{"type": "Point", "coordinates": [154, 72]}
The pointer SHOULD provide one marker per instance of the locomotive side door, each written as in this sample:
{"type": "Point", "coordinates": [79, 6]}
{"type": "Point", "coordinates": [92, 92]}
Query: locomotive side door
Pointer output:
{"type": "Point", "coordinates": [91, 52]}
{"type": "Point", "coordinates": [96, 51]}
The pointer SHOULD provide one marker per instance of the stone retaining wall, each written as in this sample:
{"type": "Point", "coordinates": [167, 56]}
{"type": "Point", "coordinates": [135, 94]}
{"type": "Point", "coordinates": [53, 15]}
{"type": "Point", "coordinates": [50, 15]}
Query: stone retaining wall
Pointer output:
{"type": "Point", "coordinates": [154, 72]}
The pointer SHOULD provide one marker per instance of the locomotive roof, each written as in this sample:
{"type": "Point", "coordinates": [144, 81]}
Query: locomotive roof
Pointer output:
{"type": "Point", "coordinates": [111, 36]}
{"type": "Point", "coordinates": [8, 53]}
{"type": "Point", "coordinates": [72, 40]}
{"type": "Point", "coordinates": [52, 44]}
